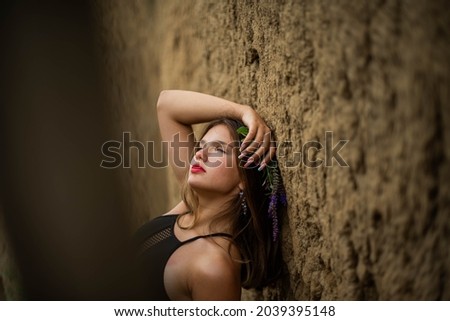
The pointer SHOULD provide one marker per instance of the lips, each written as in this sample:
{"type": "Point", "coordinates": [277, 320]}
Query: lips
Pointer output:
{"type": "Point", "coordinates": [197, 169]}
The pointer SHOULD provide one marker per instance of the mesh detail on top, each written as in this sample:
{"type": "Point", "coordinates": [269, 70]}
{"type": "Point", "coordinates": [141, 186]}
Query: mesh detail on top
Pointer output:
{"type": "Point", "coordinates": [155, 239]}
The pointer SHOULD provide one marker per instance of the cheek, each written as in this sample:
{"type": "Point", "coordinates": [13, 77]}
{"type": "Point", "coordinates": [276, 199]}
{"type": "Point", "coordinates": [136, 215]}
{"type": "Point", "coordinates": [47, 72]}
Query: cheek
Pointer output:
{"type": "Point", "coordinates": [232, 175]}
{"type": "Point", "coordinates": [222, 163]}
{"type": "Point", "coordinates": [226, 173]}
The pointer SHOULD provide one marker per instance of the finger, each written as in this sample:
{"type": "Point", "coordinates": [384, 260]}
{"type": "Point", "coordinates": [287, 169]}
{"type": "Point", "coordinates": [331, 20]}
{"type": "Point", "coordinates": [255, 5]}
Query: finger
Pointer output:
{"type": "Point", "coordinates": [263, 141]}
{"type": "Point", "coordinates": [255, 158]}
{"type": "Point", "coordinates": [249, 150]}
{"type": "Point", "coordinates": [253, 144]}
{"type": "Point", "coordinates": [262, 149]}
{"type": "Point", "coordinates": [251, 153]}
{"type": "Point", "coordinates": [253, 147]}
{"type": "Point", "coordinates": [258, 147]}
{"type": "Point", "coordinates": [259, 153]}
{"type": "Point", "coordinates": [246, 161]}
{"type": "Point", "coordinates": [269, 156]}
{"type": "Point", "coordinates": [249, 138]}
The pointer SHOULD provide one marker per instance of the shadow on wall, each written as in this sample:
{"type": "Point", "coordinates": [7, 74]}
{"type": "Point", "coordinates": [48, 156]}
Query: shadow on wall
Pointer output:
{"type": "Point", "coordinates": [63, 214]}
{"type": "Point", "coordinates": [374, 73]}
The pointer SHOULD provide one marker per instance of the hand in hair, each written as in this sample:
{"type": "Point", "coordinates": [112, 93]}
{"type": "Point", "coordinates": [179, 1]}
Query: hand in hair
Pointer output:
{"type": "Point", "coordinates": [258, 144]}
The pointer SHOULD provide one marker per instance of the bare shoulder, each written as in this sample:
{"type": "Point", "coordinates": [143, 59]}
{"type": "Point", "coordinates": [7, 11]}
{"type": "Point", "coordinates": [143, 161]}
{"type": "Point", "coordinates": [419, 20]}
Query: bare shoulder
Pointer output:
{"type": "Point", "coordinates": [215, 275]}
{"type": "Point", "coordinates": [215, 260]}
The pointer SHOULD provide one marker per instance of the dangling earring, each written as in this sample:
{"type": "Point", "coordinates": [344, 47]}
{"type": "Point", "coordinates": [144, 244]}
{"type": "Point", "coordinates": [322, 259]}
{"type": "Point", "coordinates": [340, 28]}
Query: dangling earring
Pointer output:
{"type": "Point", "coordinates": [243, 203]}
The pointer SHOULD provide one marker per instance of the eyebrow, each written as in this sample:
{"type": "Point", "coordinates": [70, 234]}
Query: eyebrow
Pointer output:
{"type": "Point", "coordinates": [214, 141]}
{"type": "Point", "coordinates": [231, 145]}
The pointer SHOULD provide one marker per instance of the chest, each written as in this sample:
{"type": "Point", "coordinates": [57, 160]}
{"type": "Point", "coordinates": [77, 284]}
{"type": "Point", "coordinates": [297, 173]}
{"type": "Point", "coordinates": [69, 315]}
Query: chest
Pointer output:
{"type": "Point", "coordinates": [178, 271]}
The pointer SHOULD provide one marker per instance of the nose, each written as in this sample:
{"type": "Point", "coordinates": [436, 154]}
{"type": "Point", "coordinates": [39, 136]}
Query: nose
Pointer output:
{"type": "Point", "coordinates": [201, 154]}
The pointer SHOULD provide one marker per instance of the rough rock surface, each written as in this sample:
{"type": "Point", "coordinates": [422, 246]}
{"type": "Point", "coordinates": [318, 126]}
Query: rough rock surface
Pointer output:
{"type": "Point", "coordinates": [374, 73]}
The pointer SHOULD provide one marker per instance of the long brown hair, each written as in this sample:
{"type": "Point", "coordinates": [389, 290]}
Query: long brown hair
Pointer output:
{"type": "Point", "coordinates": [252, 232]}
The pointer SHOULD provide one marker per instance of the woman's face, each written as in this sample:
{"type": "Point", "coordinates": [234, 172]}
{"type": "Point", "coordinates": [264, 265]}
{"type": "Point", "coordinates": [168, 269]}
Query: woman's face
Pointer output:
{"type": "Point", "coordinates": [214, 168]}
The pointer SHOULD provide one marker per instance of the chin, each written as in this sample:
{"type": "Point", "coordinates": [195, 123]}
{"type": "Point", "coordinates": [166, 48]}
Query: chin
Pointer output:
{"type": "Point", "coordinates": [195, 183]}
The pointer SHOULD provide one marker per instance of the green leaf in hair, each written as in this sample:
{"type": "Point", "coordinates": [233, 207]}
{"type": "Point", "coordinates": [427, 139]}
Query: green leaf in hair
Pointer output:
{"type": "Point", "coordinates": [243, 131]}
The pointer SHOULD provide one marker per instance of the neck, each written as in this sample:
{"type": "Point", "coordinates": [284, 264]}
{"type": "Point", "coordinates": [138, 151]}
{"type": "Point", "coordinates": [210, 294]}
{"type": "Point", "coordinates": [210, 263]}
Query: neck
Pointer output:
{"type": "Point", "coordinates": [208, 208]}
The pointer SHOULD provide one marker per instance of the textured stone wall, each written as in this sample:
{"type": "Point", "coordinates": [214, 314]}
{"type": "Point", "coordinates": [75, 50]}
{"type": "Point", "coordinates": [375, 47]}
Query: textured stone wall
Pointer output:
{"type": "Point", "coordinates": [127, 41]}
{"type": "Point", "coordinates": [374, 73]}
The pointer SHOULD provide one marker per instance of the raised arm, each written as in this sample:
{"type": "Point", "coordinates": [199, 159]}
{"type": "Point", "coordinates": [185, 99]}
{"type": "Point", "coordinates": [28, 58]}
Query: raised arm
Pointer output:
{"type": "Point", "coordinates": [178, 110]}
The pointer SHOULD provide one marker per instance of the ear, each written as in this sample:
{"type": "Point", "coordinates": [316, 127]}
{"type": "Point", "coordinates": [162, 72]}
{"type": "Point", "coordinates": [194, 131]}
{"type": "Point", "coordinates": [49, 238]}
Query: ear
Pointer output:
{"type": "Point", "coordinates": [241, 186]}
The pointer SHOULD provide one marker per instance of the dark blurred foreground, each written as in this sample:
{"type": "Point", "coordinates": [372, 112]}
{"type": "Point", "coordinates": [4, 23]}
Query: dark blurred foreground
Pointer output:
{"type": "Point", "coordinates": [63, 214]}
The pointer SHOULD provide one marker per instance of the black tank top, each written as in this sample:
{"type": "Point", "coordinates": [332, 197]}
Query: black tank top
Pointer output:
{"type": "Point", "coordinates": [156, 242]}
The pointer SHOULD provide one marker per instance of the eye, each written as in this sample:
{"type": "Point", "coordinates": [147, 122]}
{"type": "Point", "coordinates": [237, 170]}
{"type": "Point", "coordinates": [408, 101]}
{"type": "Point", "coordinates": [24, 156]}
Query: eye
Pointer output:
{"type": "Point", "coordinates": [216, 147]}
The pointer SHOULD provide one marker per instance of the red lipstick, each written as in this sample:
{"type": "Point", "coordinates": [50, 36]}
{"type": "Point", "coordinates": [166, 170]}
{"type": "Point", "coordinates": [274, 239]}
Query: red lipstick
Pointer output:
{"type": "Point", "coordinates": [196, 168]}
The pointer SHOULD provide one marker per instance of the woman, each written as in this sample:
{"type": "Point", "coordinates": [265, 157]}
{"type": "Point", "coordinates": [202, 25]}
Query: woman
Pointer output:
{"type": "Point", "coordinates": [223, 234]}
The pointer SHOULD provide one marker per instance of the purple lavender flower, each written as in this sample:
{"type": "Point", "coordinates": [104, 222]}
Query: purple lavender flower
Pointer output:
{"type": "Point", "coordinates": [273, 215]}
{"type": "Point", "coordinates": [272, 183]}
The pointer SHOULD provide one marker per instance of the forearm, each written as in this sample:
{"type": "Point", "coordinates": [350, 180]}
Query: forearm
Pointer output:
{"type": "Point", "coordinates": [179, 109]}
{"type": "Point", "coordinates": [188, 107]}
